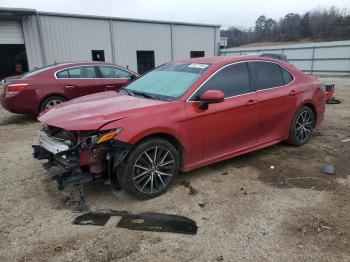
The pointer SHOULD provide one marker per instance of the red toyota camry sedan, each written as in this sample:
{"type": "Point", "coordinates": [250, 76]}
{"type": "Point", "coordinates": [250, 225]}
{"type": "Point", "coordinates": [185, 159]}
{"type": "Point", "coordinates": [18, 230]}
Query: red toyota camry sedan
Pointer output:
{"type": "Point", "coordinates": [178, 117]}
{"type": "Point", "coordinates": [40, 89]}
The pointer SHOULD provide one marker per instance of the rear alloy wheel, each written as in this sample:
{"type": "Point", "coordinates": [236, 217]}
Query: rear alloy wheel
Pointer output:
{"type": "Point", "coordinates": [51, 101]}
{"type": "Point", "coordinates": [302, 127]}
{"type": "Point", "coordinates": [150, 169]}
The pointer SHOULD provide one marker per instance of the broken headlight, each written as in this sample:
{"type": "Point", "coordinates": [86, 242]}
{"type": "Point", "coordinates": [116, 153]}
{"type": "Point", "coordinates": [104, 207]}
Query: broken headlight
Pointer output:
{"type": "Point", "coordinates": [100, 138]}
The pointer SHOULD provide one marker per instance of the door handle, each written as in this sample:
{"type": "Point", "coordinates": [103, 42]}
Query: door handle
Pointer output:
{"type": "Point", "coordinates": [251, 102]}
{"type": "Point", "coordinates": [69, 86]}
{"type": "Point", "coordinates": [109, 86]}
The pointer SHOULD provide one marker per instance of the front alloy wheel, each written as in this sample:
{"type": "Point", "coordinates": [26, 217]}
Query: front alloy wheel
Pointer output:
{"type": "Point", "coordinates": [149, 169]}
{"type": "Point", "coordinates": [153, 170]}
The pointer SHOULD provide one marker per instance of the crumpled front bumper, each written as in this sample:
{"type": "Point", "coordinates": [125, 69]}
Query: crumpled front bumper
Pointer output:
{"type": "Point", "coordinates": [56, 151]}
{"type": "Point", "coordinates": [70, 158]}
{"type": "Point", "coordinates": [67, 161]}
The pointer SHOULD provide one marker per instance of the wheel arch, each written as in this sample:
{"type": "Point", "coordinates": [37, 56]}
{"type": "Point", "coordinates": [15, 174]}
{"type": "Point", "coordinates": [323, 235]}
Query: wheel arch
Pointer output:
{"type": "Point", "coordinates": [171, 139]}
{"type": "Point", "coordinates": [312, 107]}
{"type": "Point", "coordinates": [49, 95]}
{"type": "Point", "coordinates": [307, 104]}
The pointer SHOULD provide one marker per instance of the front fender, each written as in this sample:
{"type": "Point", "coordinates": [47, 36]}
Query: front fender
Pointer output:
{"type": "Point", "coordinates": [132, 133]}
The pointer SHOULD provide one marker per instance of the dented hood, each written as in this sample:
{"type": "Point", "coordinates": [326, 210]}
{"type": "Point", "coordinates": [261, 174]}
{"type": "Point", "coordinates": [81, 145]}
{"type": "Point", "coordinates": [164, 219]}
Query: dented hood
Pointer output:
{"type": "Point", "coordinates": [93, 111]}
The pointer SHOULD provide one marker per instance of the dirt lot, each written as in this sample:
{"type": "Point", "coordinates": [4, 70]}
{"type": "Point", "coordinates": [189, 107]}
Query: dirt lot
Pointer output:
{"type": "Point", "coordinates": [248, 210]}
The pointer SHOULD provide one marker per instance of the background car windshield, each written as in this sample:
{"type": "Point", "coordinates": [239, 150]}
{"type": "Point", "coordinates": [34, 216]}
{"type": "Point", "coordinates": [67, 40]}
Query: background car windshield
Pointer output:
{"type": "Point", "coordinates": [169, 81]}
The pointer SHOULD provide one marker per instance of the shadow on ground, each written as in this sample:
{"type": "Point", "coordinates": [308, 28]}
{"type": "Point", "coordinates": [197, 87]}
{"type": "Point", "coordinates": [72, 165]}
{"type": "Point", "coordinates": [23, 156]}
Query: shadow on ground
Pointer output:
{"type": "Point", "coordinates": [14, 119]}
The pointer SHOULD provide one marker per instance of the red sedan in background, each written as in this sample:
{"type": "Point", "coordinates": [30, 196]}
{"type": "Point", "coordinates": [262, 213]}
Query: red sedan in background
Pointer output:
{"type": "Point", "coordinates": [181, 116]}
{"type": "Point", "coordinates": [40, 89]}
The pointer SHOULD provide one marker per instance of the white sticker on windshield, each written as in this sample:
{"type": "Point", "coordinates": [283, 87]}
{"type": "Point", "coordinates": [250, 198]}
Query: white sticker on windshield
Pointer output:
{"type": "Point", "coordinates": [198, 66]}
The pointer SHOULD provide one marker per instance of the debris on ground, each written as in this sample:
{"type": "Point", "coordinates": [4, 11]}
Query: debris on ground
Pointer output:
{"type": "Point", "coordinates": [346, 140]}
{"type": "Point", "coordinates": [159, 223]}
{"type": "Point", "coordinates": [313, 183]}
{"type": "Point", "coordinates": [328, 169]}
{"type": "Point", "coordinates": [316, 225]}
{"type": "Point", "coordinates": [57, 249]}
{"type": "Point", "coordinates": [201, 204]}
{"type": "Point", "coordinates": [224, 174]}
{"type": "Point", "coordinates": [333, 101]}
{"type": "Point", "coordinates": [186, 184]}
{"type": "Point", "coordinates": [317, 133]}
{"type": "Point", "coordinates": [330, 99]}
{"type": "Point", "coordinates": [155, 222]}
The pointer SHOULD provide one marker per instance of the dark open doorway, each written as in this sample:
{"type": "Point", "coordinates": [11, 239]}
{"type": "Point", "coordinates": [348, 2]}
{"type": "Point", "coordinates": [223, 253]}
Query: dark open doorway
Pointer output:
{"type": "Point", "coordinates": [13, 60]}
{"type": "Point", "coordinates": [145, 61]}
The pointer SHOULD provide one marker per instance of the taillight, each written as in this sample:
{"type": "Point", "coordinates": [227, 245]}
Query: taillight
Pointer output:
{"type": "Point", "coordinates": [329, 91]}
{"type": "Point", "coordinates": [15, 88]}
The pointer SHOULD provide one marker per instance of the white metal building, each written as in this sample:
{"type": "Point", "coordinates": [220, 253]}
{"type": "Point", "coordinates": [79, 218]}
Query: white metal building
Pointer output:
{"type": "Point", "coordinates": [38, 38]}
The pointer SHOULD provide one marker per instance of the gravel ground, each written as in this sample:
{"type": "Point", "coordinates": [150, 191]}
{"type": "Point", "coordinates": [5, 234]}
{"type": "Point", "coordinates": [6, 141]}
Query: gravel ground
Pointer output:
{"type": "Point", "coordinates": [248, 210]}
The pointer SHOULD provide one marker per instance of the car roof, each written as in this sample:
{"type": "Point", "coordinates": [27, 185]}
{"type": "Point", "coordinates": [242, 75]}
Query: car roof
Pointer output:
{"type": "Point", "coordinates": [222, 60]}
{"type": "Point", "coordinates": [59, 66]}
{"type": "Point", "coordinates": [63, 64]}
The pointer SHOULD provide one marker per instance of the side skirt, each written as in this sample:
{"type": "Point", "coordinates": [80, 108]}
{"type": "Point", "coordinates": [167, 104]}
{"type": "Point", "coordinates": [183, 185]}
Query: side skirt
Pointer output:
{"type": "Point", "coordinates": [231, 154]}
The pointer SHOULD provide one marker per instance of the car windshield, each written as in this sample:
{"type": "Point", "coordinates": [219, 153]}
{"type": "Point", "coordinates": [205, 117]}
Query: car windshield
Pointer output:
{"type": "Point", "coordinates": [167, 82]}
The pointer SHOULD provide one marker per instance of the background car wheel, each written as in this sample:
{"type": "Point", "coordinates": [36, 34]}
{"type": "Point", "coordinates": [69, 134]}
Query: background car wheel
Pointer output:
{"type": "Point", "coordinates": [51, 101]}
{"type": "Point", "coordinates": [302, 127]}
{"type": "Point", "coordinates": [149, 169]}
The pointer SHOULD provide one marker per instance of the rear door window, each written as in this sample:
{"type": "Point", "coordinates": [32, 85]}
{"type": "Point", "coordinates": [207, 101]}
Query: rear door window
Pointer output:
{"type": "Point", "coordinates": [232, 80]}
{"type": "Point", "coordinates": [82, 72]}
{"type": "Point", "coordinates": [113, 72]}
{"type": "Point", "coordinates": [267, 75]}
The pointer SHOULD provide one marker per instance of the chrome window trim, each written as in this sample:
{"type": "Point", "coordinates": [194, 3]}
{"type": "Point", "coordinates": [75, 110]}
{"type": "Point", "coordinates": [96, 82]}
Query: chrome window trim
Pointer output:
{"type": "Point", "coordinates": [67, 68]}
{"type": "Point", "coordinates": [217, 71]}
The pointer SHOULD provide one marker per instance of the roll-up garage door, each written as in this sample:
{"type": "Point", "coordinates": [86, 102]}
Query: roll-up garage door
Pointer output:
{"type": "Point", "coordinates": [11, 32]}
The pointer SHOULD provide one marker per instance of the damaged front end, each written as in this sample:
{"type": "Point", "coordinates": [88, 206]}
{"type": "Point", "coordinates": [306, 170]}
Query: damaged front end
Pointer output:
{"type": "Point", "coordinates": [83, 156]}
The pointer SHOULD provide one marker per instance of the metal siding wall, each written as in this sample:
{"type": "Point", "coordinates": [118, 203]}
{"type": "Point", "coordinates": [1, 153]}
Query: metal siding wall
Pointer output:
{"type": "Point", "coordinates": [319, 58]}
{"type": "Point", "coordinates": [11, 32]}
{"type": "Point", "coordinates": [334, 52]}
{"type": "Point", "coordinates": [130, 37]}
{"type": "Point", "coordinates": [32, 42]}
{"type": "Point", "coordinates": [72, 39]}
{"type": "Point", "coordinates": [298, 53]}
{"type": "Point", "coordinates": [193, 38]}
{"type": "Point", "coordinates": [217, 41]}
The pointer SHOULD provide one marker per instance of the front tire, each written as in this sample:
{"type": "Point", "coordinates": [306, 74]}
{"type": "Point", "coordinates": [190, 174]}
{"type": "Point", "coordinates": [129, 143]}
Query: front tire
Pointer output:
{"type": "Point", "coordinates": [149, 169]}
{"type": "Point", "coordinates": [302, 127]}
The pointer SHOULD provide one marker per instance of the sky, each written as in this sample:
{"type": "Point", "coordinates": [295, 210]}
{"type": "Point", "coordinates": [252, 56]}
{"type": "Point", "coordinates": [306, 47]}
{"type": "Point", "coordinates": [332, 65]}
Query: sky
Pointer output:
{"type": "Point", "coordinates": [224, 12]}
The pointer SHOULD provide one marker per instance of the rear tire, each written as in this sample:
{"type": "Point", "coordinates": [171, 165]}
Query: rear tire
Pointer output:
{"type": "Point", "coordinates": [302, 127]}
{"type": "Point", "coordinates": [149, 169]}
{"type": "Point", "coordinates": [51, 101]}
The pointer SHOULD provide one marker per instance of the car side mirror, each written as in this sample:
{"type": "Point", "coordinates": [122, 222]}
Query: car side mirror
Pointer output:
{"type": "Point", "coordinates": [210, 97]}
{"type": "Point", "coordinates": [133, 77]}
